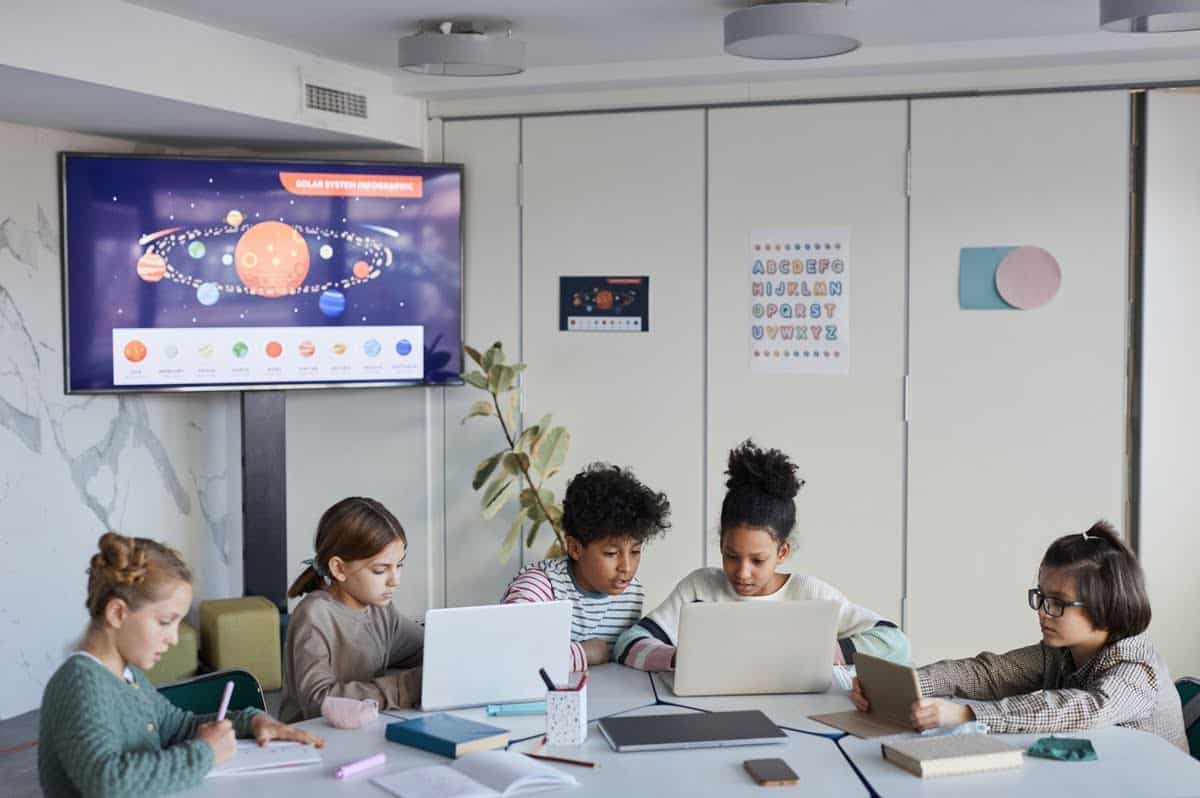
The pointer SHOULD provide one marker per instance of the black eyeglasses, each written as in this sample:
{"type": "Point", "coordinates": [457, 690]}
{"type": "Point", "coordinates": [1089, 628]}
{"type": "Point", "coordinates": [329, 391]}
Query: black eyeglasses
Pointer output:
{"type": "Point", "coordinates": [1054, 606]}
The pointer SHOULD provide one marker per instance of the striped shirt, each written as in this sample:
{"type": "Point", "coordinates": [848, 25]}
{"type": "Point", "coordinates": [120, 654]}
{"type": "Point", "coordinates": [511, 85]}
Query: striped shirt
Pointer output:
{"type": "Point", "coordinates": [1038, 689]}
{"type": "Point", "coordinates": [593, 615]}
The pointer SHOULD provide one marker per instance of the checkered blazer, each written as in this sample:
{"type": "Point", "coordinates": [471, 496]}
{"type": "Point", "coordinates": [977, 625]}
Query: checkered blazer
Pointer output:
{"type": "Point", "coordinates": [1038, 689]}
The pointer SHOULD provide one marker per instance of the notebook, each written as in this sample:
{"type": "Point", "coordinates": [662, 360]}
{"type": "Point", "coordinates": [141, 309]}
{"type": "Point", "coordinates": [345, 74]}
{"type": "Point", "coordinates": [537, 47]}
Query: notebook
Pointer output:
{"type": "Point", "coordinates": [699, 730]}
{"type": "Point", "coordinates": [447, 735]}
{"type": "Point", "coordinates": [482, 775]}
{"type": "Point", "coordinates": [890, 688]}
{"type": "Point", "coordinates": [952, 755]}
{"type": "Point", "coordinates": [254, 758]}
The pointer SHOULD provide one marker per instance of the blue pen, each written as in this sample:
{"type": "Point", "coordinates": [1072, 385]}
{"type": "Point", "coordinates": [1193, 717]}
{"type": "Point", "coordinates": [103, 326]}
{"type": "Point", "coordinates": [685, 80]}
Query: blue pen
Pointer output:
{"type": "Point", "coordinates": [532, 708]}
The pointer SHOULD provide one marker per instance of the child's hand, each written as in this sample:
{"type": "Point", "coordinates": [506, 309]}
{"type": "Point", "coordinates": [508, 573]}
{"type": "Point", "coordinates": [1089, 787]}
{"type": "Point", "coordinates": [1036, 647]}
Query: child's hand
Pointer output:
{"type": "Point", "coordinates": [596, 651]}
{"type": "Point", "coordinates": [838, 657]}
{"type": "Point", "coordinates": [266, 729]}
{"type": "Point", "coordinates": [220, 737]}
{"type": "Point", "coordinates": [933, 713]}
{"type": "Point", "coordinates": [859, 698]}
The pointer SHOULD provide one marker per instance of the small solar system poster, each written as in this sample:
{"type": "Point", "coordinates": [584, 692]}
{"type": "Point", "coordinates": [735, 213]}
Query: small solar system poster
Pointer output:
{"type": "Point", "coordinates": [604, 304]}
{"type": "Point", "coordinates": [799, 301]}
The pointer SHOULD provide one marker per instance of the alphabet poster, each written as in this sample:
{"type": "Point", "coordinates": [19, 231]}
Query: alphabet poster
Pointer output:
{"type": "Point", "coordinates": [799, 301]}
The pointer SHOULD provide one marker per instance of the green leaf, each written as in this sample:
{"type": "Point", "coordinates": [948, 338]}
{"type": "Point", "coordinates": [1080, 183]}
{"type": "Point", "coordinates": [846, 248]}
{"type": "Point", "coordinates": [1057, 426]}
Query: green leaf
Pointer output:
{"type": "Point", "coordinates": [473, 354]}
{"type": "Point", "coordinates": [551, 450]}
{"type": "Point", "coordinates": [515, 463]}
{"type": "Point", "coordinates": [485, 469]}
{"type": "Point", "coordinates": [533, 530]}
{"type": "Point", "coordinates": [512, 409]}
{"type": "Point", "coordinates": [514, 534]}
{"type": "Point", "coordinates": [477, 379]}
{"type": "Point", "coordinates": [480, 408]}
{"type": "Point", "coordinates": [501, 378]}
{"type": "Point", "coordinates": [555, 551]}
{"type": "Point", "coordinates": [493, 356]}
{"type": "Point", "coordinates": [525, 441]}
{"type": "Point", "coordinates": [498, 492]}
{"type": "Point", "coordinates": [555, 513]}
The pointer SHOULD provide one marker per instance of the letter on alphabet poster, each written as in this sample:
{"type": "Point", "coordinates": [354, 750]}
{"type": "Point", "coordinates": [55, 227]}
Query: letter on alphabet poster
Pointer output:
{"type": "Point", "coordinates": [822, 348]}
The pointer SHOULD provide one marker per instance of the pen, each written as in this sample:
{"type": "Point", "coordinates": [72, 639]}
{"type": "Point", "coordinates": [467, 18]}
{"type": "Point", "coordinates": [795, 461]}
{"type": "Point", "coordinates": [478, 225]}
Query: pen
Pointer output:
{"type": "Point", "coordinates": [582, 681]}
{"type": "Point", "coordinates": [546, 678]}
{"type": "Point", "coordinates": [581, 762]}
{"type": "Point", "coordinates": [358, 766]}
{"type": "Point", "coordinates": [531, 708]}
{"type": "Point", "coordinates": [225, 701]}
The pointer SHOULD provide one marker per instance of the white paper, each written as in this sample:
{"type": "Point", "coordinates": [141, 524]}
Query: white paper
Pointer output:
{"type": "Point", "coordinates": [437, 781]}
{"type": "Point", "coordinates": [252, 758]}
{"type": "Point", "coordinates": [485, 774]}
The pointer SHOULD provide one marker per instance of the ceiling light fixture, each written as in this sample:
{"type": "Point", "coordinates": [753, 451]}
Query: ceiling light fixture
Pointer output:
{"type": "Point", "coordinates": [1149, 16]}
{"type": "Point", "coordinates": [463, 48]}
{"type": "Point", "coordinates": [791, 29]}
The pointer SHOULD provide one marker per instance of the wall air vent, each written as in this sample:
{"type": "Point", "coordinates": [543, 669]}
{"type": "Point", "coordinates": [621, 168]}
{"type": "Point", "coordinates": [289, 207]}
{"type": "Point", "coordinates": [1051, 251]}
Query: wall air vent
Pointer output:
{"type": "Point", "coordinates": [335, 101]}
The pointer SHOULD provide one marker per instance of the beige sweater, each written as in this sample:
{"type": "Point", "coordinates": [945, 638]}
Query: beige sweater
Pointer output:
{"type": "Point", "coordinates": [332, 649]}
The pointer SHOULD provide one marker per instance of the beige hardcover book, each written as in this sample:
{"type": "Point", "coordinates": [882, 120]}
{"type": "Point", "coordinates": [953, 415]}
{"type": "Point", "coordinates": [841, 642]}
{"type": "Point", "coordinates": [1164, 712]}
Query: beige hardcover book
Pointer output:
{"type": "Point", "coordinates": [890, 688]}
{"type": "Point", "coordinates": [929, 757]}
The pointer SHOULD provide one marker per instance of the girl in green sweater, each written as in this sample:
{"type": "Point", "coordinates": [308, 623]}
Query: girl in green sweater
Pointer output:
{"type": "Point", "coordinates": [104, 729]}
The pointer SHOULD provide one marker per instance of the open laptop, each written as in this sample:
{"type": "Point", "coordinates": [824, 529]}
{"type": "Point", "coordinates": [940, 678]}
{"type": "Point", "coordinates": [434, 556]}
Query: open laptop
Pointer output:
{"type": "Point", "coordinates": [491, 655]}
{"type": "Point", "coordinates": [754, 647]}
{"type": "Point", "coordinates": [699, 730]}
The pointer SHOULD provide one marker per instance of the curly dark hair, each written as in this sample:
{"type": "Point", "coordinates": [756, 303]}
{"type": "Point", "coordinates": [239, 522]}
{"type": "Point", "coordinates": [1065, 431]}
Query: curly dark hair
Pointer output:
{"type": "Point", "coordinates": [761, 491]}
{"type": "Point", "coordinates": [604, 501]}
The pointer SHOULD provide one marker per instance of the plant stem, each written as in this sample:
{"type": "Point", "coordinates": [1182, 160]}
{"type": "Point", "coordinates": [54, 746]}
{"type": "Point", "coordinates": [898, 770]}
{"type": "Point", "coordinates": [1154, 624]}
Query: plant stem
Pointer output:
{"type": "Point", "coordinates": [537, 495]}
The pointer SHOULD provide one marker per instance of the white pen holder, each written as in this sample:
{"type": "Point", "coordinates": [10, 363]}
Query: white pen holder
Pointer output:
{"type": "Point", "coordinates": [566, 716]}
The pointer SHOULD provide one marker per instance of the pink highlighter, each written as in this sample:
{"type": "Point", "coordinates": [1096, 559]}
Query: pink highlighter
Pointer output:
{"type": "Point", "coordinates": [359, 766]}
{"type": "Point", "coordinates": [225, 701]}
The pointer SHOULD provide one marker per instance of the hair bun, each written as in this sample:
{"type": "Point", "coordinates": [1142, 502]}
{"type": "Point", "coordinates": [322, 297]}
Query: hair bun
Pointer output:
{"type": "Point", "coordinates": [769, 471]}
{"type": "Point", "coordinates": [120, 559]}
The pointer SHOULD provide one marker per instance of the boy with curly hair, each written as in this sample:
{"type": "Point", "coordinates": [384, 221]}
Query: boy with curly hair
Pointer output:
{"type": "Point", "coordinates": [608, 515]}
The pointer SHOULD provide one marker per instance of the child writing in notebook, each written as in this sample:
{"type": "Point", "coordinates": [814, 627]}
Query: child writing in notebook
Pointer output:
{"type": "Point", "coordinates": [608, 515]}
{"type": "Point", "coordinates": [346, 639]}
{"type": "Point", "coordinates": [1094, 666]}
{"type": "Point", "coordinates": [104, 729]}
{"type": "Point", "coordinates": [758, 515]}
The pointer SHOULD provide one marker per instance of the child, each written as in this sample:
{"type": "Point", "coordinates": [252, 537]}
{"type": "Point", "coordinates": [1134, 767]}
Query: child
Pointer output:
{"type": "Point", "coordinates": [607, 516]}
{"type": "Point", "coordinates": [104, 729]}
{"type": "Point", "coordinates": [757, 517]}
{"type": "Point", "coordinates": [345, 638]}
{"type": "Point", "coordinates": [1094, 666]}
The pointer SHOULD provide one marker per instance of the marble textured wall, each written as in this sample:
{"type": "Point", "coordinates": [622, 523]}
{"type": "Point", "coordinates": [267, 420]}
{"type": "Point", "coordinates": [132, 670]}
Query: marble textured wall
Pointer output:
{"type": "Point", "coordinates": [157, 465]}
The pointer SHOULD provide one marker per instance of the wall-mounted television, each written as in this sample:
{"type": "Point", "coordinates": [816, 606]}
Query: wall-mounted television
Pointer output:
{"type": "Point", "coordinates": [237, 274]}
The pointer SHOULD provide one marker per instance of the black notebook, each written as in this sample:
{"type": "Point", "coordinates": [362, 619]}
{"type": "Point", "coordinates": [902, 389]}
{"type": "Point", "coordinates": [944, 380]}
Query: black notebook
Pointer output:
{"type": "Point", "coordinates": [690, 730]}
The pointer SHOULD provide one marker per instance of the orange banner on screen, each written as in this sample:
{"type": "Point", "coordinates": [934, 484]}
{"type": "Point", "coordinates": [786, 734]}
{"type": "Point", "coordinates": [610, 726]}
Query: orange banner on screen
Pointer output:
{"type": "Point", "coordinates": [319, 184]}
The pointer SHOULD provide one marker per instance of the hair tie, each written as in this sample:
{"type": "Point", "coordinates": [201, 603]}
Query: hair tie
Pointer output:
{"type": "Point", "coordinates": [316, 566]}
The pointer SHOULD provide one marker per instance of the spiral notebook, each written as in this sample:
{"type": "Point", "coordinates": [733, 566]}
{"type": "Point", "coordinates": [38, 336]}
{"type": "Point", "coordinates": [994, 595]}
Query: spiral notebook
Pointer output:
{"type": "Point", "coordinates": [254, 758]}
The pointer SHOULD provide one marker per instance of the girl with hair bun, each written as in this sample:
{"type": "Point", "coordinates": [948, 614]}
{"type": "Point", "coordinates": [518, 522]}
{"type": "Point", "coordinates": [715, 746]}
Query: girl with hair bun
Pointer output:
{"type": "Point", "coordinates": [104, 729]}
{"type": "Point", "coordinates": [757, 519]}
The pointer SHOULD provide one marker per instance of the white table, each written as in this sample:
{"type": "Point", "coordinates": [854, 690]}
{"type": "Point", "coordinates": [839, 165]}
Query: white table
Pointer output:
{"type": "Point", "coordinates": [1130, 763]}
{"type": "Point", "coordinates": [787, 711]}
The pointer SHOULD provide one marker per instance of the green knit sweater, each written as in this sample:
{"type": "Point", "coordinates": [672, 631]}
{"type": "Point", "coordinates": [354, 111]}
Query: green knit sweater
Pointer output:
{"type": "Point", "coordinates": [102, 736]}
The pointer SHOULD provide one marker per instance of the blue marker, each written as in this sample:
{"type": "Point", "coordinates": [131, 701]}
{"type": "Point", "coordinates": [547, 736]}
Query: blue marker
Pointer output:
{"type": "Point", "coordinates": [532, 708]}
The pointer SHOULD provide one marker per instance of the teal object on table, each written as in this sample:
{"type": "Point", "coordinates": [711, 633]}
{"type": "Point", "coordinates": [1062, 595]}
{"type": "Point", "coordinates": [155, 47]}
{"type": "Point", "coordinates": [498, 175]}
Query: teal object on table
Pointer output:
{"type": "Point", "coordinates": [531, 708]}
{"type": "Point", "coordinates": [1064, 749]}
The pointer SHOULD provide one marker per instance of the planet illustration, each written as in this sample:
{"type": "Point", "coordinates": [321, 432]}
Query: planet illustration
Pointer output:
{"type": "Point", "coordinates": [326, 252]}
{"type": "Point", "coordinates": [197, 249]}
{"type": "Point", "coordinates": [227, 259]}
{"type": "Point", "coordinates": [362, 269]}
{"type": "Point", "coordinates": [151, 267]}
{"type": "Point", "coordinates": [208, 294]}
{"type": "Point", "coordinates": [332, 303]}
{"type": "Point", "coordinates": [372, 348]}
{"type": "Point", "coordinates": [403, 346]}
{"type": "Point", "coordinates": [274, 349]}
{"type": "Point", "coordinates": [234, 218]}
{"type": "Point", "coordinates": [307, 349]}
{"type": "Point", "coordinates": [272, 259]}
{"type": "Point", "coordinates": [240, 350]}
{"type": "Point", "coordinates": [339, 349]}
{"type": "Point", "coordinates": [171, 351]}
{"type": "Point", "coordinates": [604, 300]}
{"type": "Point", "coordinates": [135, 351]}
{"type": "Point", "coordinates": [205, 351]}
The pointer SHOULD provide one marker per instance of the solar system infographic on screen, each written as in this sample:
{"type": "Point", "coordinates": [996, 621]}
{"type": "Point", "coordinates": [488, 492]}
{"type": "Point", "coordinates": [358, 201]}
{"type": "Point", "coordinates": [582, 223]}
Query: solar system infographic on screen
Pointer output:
{"type": "Point", "coordinates": [206, 273]}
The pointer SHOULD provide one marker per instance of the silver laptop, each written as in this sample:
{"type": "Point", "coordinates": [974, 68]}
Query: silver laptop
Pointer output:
{"type": "Point", "coordinates": [754, 647]}
{"type": "Point", "coordinates": [699, 730]}
{"type": "Point", "coordinates": [491, 655]}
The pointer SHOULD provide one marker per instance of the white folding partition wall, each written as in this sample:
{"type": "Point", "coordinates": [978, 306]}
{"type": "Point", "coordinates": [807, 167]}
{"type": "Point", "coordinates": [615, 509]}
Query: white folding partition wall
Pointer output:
{"type": "Point", "coordinates": [622, 194]}
{"type": "Point", "coordinates": [1016, 417]}
{"type": "Point", "coordinates": [489, 151]}
{"type": "Point", "coordinates": [816, 166]}
{"type": "Point", "coordinates": [1170, 463]}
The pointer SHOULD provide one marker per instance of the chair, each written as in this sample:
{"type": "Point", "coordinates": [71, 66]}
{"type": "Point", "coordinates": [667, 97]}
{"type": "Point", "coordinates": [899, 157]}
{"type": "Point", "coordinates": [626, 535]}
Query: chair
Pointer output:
{"type": "Point", "coordinates": [1189, 695]}
{"type": "Point", "coordinates": [202, 694]}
